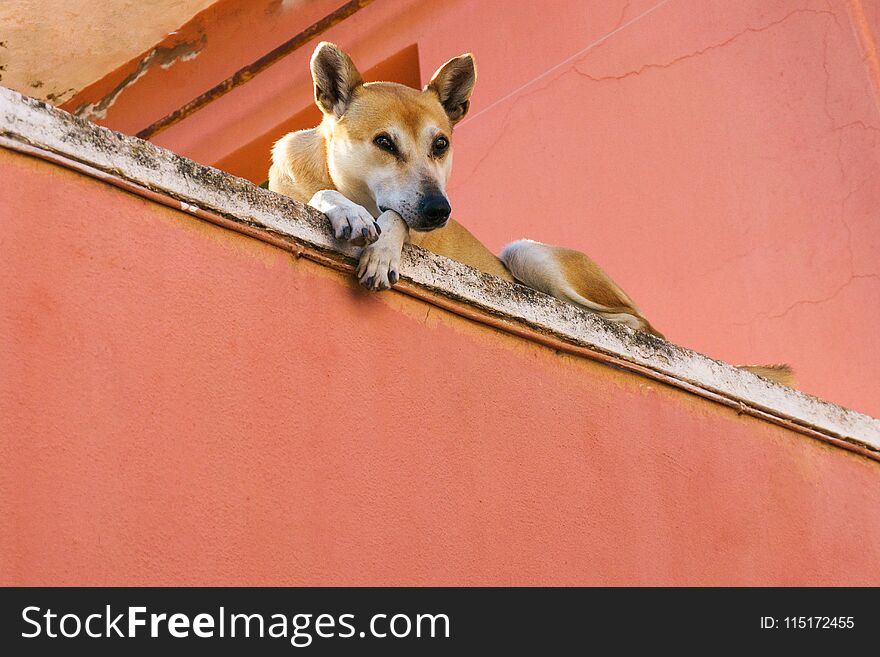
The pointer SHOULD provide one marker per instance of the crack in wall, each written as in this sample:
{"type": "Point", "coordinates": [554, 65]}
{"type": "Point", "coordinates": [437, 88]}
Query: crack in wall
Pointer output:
{"type": "Point", "coordinates": [574, 69]}
{"type": "Point", "coordinates": [163, 56]}
{"type": "Point", "coordinates": [839, 130]}
{"type": "Point", "coordinates": [617, 26]}
{"type": "Point", "coordinates": [826, 109]}
{"type": "Point", "coordinates": [826, 299]}
{"type": "Point", "coordinates": [702, 51]}
{"type": "Point", "coordinates": [851, 276]}
{"type": "Point", "coordinates": [518, 98]}
{"type": "Point", "coordinates": [515, 101]}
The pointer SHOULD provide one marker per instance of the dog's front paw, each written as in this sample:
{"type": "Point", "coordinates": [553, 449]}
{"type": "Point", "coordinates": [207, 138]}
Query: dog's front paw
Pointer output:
{"type": "Point", "coordinates": [379, 266]}
{"type": "Point", "coordinates": [350, 221]}
{"type": "Point", "coordinates": [353, 223]}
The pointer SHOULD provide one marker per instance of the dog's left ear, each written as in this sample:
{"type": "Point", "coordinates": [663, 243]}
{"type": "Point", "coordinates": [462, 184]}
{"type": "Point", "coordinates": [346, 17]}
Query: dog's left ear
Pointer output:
{"type": "Point", "coordinates": [453, 82]}
{"type": "Point", "coordinates": [335, 76]}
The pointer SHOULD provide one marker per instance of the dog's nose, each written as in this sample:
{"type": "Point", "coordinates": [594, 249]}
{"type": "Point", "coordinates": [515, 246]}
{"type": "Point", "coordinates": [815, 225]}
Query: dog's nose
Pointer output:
{"type": "Point", "coordinates": [435, 209]}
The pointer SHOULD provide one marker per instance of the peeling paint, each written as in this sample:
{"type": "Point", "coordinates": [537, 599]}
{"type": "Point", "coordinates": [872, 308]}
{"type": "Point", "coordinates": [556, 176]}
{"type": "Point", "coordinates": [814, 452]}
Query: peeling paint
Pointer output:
{"type": "Point", "coordinates": [60, 96]}
{"type": "Point", "coordinates": [78, 44]}
{"type": "Point", "coordinates": [164, 57]}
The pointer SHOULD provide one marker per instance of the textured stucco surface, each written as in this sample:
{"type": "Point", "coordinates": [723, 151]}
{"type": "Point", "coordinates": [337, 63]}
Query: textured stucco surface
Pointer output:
{"type": "Point", "coordinates": [51, 49]}
{"type": "Point", "coordinates": [185, 405]}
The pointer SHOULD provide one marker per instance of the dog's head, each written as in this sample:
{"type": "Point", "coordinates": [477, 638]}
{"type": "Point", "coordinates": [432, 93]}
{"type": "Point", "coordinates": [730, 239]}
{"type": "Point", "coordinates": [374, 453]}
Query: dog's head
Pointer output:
{"type": "Point", "coordinates": [389, 147]}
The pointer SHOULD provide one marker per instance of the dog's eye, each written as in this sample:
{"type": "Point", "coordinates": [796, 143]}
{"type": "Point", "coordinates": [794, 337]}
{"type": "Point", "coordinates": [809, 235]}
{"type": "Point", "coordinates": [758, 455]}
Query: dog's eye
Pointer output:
{"type": "Point", "coordinates": [440, 145]}
{"type": "Point", "coordinates": [384, 142]}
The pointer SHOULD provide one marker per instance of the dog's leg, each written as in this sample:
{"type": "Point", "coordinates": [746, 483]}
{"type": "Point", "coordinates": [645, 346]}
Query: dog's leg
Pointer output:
{"type": "Point", "coordinates": [350, 221]}
{"type": "Point", "coordinates": [573, 277]}
{"type": "Point", "coordinates": [379, 266]}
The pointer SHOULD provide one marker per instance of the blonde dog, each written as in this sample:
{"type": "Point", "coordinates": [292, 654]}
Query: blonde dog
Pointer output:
{"type": "Point", "coordinates": [377, 166]}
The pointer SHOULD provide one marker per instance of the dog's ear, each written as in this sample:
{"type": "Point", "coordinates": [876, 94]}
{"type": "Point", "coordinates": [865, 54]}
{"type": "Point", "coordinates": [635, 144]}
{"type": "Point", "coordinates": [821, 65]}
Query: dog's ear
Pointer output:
{"type": "Point", "coordinates": [453, 83]}
{"type": "Point", "coordinates": [336, 78]}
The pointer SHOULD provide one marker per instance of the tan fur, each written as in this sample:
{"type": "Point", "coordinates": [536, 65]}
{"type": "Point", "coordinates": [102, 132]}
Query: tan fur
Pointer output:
{"type": "Point", "coordinates": [779, 373]}
{"type": "Point", "coordinates": [456, 242]}
{"type": "Point", "coordinates": [574, 277]}
{"type": "Point", "coordinates": [299, 165]}
{"type": "Point", "coordinates": [336, 168]}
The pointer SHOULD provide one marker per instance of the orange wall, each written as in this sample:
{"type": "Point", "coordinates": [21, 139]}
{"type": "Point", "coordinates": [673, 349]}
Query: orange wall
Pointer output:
{"type": "Point", "coordinates": [183, 405]}
{"type": "Point", "coordinates": [720, 159]}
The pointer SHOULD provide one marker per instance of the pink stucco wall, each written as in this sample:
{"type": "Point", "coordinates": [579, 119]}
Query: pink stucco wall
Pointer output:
{"type": "Point", "coordinates": [720, 159]}
{"type": "Point", "coordinates": [180, 404]}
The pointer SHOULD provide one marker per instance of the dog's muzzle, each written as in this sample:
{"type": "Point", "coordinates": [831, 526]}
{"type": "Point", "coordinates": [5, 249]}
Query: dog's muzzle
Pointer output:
{"type": "Point", "coordinates": [432, 213]}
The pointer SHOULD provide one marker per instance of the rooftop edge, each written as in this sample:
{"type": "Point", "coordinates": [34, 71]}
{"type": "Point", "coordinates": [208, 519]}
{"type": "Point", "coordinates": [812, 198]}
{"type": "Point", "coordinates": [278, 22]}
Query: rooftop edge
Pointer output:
{"type": "Point", "coordinates": [32, 127]}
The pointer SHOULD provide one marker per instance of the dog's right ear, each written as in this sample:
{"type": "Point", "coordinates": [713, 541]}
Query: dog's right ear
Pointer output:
{"type": "Point", "coordinates": [336, 78]}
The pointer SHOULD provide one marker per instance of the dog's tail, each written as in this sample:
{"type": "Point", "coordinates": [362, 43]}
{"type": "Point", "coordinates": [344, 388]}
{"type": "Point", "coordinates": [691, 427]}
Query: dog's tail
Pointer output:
{"type": "Point", "coordinates": [573, 277]}
{"type": "Point", "coordinates": [779, 373]}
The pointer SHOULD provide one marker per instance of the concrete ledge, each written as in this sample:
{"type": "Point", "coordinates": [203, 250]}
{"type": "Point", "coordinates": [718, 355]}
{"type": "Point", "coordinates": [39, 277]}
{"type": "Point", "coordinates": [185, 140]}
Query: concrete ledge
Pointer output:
{"type": "Point", "coordinates": [31, 126]}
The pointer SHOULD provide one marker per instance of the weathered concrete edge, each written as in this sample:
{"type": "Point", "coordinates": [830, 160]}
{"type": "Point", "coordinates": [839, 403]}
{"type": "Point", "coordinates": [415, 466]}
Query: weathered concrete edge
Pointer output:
{"type": "Point", "coordinates": [31, 122]}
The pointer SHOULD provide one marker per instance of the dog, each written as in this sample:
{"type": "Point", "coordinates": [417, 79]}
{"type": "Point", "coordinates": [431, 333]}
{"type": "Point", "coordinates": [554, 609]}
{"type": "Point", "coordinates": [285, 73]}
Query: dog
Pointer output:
{"type": "Point", "coordinates": [378, 165]}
